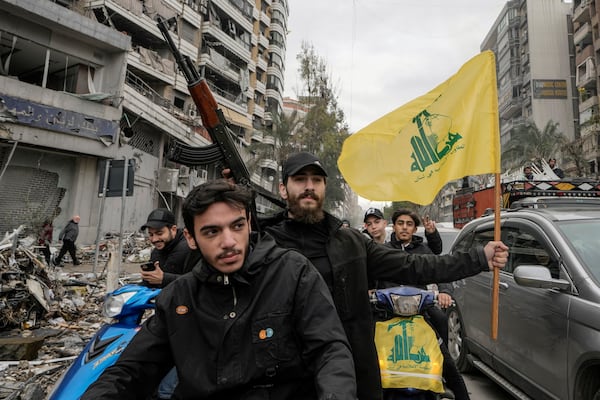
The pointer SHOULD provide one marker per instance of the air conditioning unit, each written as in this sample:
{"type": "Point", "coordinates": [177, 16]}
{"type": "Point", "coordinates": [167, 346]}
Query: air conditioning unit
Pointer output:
{"type": "Point", "coordinates": [168, 179]}
{"type": "Point", "coordinates": [198, 177]}
{"type": "Point", "coordinates": [192, 112]}
{"type": "Point", "coordinates": [203, 174]}
{"type": "Point", "coordinates": [184, 171]}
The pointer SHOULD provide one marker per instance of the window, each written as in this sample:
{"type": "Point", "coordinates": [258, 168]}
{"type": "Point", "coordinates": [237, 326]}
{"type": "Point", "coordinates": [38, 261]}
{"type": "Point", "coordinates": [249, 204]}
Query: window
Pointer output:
{"type": "Point", "coordinates": [527, 249]}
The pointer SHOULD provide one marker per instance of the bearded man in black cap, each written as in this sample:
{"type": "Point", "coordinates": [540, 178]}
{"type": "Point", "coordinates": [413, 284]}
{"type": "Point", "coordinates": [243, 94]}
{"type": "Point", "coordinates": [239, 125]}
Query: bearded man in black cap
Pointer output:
{"type": "Point", "coordinates": [170, 249]}
{"type": "Point", "coordinates": [347, 260]}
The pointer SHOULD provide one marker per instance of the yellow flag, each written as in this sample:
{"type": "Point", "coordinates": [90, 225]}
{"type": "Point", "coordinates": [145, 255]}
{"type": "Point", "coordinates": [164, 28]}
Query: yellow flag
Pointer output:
{"type": "Point", "coordinates": [412, 152]}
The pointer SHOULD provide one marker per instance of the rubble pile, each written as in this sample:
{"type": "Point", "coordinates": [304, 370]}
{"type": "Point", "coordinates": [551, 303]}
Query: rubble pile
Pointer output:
{"type": "Point", "coordinates": [47, 314]}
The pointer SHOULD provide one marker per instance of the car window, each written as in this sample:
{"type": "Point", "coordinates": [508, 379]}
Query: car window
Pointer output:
{"type": "Point", "coordinates": [526, 248]}
{"type": "Point", "coordinates": [583, 238]}
{"type": "Point", "coordinates": [463, 244]}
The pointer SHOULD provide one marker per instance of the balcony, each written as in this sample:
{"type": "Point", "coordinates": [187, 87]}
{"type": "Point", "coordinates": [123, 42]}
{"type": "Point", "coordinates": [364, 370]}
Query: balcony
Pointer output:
{"type": "Point", "coordinates": [588, 129]}
{"type": "Point", "coordinates": [152, 64]}
{"type": "Point", "coordinates": [269, 139]}
{"type": "Point", "coordinates": [587, 52]}
{"type": "Point", "coordinates": [273, 70]}
{"type": "Point", "coordinates": [510, 108]}
{"type": "Point", "coordinates": [586, 73]}
{"type": "Point", "coordinates": [240, 16]}
{"type": "Point", "coordinates": [260, 87]}
{"type": "Point", "coordinates": [583, 35]}
{"type": "Point", "coordinates": [267, 163]}
{"type": "Point", "coordinates": [259, 111]}
{"type": "Point", "coordinates": [588, 103]}
{"type": "Point", "coordinates": [581, 13]}
{"type": "Point", "coordinates": [257, 136]}
{"type": "Point", "coordinates": [159, 115]}
{"type": "Point", "coordinates": [263, 182]}
{"type": "Point", "coordinates": [263, 41]}
{"type": "Point", "coordinates": [265, 19]}
{"type": "Point", "coordinates": [262, 63]}
{"type": "Point", "coordinates": [240, 49]}
{"type": "Point", "coordinates": [220, 64]}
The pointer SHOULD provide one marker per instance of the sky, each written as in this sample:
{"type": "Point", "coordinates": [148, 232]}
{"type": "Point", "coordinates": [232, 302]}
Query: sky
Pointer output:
{"type": "Point", "coordinates": [383, 53]}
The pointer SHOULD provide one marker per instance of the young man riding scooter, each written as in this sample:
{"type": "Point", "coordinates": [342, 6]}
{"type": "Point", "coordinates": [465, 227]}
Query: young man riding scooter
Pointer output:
{"type": "Point", "coordinates": [252, 320]}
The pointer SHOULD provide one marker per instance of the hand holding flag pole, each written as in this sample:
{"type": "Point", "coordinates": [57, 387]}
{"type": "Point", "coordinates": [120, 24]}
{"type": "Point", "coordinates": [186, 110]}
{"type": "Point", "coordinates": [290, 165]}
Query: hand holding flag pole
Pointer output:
{"type": "Point", "coordinates": [450, 132]}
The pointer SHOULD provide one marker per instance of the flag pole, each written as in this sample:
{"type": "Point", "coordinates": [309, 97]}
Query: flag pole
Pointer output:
{"type": "Point", "coordinates": [496, 271]}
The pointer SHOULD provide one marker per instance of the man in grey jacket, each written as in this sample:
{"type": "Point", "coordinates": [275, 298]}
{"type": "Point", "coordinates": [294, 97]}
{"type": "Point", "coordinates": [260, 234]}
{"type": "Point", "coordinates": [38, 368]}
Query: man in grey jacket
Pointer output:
{"type": "Point", "coordinates": [252, 320]}
{"type": "Point", "coordinates": [68, 236]}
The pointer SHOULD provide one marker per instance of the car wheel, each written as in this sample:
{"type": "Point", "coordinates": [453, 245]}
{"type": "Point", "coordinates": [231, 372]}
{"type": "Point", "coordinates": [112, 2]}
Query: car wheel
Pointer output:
{"type": "Point", "coordinates": [456, 344]}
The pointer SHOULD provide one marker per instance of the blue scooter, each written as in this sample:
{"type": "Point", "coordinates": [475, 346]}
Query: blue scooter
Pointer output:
{"type": "Point", "coordinates": [127, 306]}
{"type": "Point", "coordinates": [408, 348]}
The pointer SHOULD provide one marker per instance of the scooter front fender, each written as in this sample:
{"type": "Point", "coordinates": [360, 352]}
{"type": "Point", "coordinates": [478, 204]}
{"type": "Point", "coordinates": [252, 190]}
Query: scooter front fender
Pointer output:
{"type": "Point", "coordinates": [101, 352]}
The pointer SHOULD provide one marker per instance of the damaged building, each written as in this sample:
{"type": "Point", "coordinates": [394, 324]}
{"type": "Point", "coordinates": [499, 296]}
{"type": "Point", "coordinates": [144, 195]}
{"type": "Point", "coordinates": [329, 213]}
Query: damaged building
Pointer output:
{"type": "Point", "coordinates": [89, 87]}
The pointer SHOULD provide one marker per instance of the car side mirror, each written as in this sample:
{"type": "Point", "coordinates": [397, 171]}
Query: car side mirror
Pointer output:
{"type": "Point", "coordinates": [538, 276]}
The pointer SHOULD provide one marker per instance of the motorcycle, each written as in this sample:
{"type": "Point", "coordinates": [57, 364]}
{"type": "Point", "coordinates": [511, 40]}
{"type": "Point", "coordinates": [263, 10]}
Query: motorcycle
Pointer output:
{"type": "Point", "coordinates": [408, 348]}
{"type": "Point", "coordinates": [127, 305]}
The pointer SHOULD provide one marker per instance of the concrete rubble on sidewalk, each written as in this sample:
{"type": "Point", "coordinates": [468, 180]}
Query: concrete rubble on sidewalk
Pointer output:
{"type": "Point", "coordinates": [48, 314]}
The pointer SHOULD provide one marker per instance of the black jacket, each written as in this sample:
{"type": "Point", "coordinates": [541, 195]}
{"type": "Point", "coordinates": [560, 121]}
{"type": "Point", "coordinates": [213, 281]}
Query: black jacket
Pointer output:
{"type": "Point", "coordinates": [357, 260]}
{"type": "Point", "coordinates": [416, 246]}
{"type": "Point", "coordinates": [268, 331]}
{"type": "Point", "coordinates": [173, 258]}
{"type": "Point", "coordinates": [70, 232]}
{"type": "Point", "coordinates": [434, 242]}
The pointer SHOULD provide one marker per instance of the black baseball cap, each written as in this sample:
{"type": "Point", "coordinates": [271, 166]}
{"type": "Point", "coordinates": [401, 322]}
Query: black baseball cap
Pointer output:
{"type": "Point", "coordinates": [373, 211]}
{"type": "Point", "coordinates": [159, 218]}
{"type": "Point", "coordinates": [297, 161]}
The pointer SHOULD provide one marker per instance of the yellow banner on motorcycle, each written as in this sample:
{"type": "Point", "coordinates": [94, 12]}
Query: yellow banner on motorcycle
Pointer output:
{"type": "Point", "coordinates": [409, 354]}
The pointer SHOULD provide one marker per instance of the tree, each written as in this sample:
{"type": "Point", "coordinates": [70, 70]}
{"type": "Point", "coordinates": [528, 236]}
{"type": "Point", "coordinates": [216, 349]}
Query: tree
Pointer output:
{"type": "Point", "coordinates": [324, 129]}
{"type": "Point", "coordinates": [527, 143]}
{"type": "Point", "coordinates": [573, 152]}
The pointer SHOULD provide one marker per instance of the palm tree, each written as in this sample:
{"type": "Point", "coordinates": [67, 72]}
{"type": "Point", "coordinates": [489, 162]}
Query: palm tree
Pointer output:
{"type": "Point", "coordinates": [528, 143]}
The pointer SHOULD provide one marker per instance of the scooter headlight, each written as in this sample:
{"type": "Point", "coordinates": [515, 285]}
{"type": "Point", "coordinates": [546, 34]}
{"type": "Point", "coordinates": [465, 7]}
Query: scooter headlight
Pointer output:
{"type": "Point", "coordinates": [113, 305]}
{"type": "Point", "coordinates": [405, 305]}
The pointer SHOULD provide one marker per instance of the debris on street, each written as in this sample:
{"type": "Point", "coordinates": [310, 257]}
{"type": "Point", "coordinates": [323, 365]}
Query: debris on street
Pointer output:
{"type": "Point", "coordinates": [48, 313]}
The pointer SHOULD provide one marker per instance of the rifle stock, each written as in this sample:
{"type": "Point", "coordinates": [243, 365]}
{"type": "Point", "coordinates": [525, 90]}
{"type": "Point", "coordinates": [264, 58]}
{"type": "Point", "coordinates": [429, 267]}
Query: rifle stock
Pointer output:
{"type": "Point", "coordinates": [213, 119]}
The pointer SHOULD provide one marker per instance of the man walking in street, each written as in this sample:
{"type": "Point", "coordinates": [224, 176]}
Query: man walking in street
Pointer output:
{"type": "Point", "coordinates": [348, 260]}
{"type": "Point", "coordinates": [252, 320]}
{"type": "Point", "coordinates": [68, 236]}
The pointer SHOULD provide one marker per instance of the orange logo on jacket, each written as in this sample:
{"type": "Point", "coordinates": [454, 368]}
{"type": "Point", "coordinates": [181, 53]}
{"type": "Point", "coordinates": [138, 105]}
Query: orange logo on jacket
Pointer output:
{"type": "Point", "coordinates": [265, 333]}
{"type": "Point", "coordinates": [181, 310]}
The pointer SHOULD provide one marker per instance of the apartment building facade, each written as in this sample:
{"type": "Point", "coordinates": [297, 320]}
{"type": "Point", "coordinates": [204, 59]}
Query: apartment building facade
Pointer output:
{"type": "Point", "coordinates": [534, 63]}
{"type": "Point", "coordinates": [83, 82]}
{"type": "Point", "coordinates": [586, 40]}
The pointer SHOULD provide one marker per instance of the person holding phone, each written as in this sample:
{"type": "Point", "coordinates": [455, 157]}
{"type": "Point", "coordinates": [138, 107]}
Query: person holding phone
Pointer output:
{"type": "Point", "coordinates": [169, 258]}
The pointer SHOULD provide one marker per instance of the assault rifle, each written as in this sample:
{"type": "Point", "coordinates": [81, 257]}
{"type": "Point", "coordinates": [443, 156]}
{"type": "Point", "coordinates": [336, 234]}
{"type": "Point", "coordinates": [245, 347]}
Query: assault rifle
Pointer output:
{"type": "Point", "coordinates": [214, 121]}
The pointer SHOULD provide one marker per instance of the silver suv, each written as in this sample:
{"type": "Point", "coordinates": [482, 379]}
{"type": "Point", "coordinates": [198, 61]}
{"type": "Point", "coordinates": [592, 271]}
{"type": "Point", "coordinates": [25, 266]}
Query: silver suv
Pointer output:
{"type": "Point", "coordinates": [548, 344]}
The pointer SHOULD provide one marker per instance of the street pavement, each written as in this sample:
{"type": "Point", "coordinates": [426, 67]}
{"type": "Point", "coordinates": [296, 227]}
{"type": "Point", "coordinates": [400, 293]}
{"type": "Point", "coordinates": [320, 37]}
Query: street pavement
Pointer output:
{"type": "Point", "coordinates": [480, 387]}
